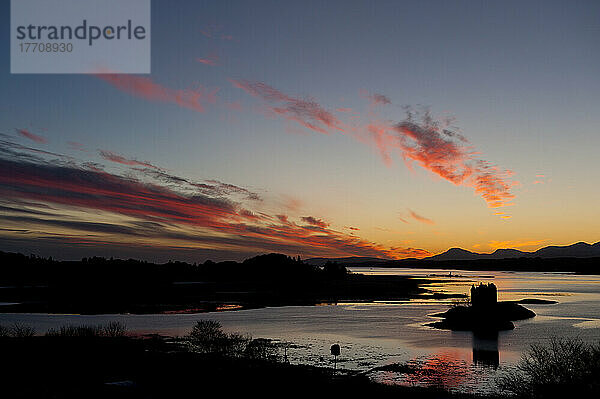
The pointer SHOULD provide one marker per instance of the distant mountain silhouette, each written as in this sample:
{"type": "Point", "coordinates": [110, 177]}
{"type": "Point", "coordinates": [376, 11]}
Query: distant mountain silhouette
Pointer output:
{"type": "Point", "coordinates": [577, 250]}
{"type": "Point", "coordinates": [506, 253]}
{"type": "Point", "coordinates": [456, 254]}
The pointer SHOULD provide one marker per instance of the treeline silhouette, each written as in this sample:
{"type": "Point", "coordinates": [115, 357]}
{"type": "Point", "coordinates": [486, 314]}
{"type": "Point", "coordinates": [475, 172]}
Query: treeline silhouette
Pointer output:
{"type": "Point", "coordinates": [100, 285]}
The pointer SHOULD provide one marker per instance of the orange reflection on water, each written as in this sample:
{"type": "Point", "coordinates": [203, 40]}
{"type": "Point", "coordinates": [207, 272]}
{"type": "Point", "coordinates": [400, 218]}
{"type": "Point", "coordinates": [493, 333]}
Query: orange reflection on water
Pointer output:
{"type": "Point", "coordinates": [447, 369]}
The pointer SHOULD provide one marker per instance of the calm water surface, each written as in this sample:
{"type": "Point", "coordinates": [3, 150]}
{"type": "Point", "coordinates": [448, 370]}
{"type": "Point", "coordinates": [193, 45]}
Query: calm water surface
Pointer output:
{"type": "Point", "coordinates": [376, 334]}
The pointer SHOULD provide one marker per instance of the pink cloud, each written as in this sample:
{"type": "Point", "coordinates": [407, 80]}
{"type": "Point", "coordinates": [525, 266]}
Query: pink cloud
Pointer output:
{"type": "Point", "coordinates": [541, 179]}
{"type": "Point", "coordinates": [383, 141]}
{"type": "Point", "coordinates": [444, 153]}
{"type": "Point", "coordinates": [306, 112]}
{"type": "Point", "coordinates": [147, 89]}
{"type": "Point", "coordinates": [111, 156]}
{"type": "Point", "coordinates": [33, 137]}
{"type": "Point", "coordinates": [420, 218]}
{"type": "Point", "coordinates": [211, 59]}
{"type": "Point", "coordinates": [377, 99]}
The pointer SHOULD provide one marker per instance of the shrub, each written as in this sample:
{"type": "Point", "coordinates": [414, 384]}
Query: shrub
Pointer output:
{"type": "Point", "coordinates": [564, 367]}
{"type": "Point", "coordinates": [4, 332]}
{"type": "Point", "coordinates": [75, 331]}
{"type": "Point", "coordinates": [113, 329]}
{"type": "Point", "coordinates": [236, 344]}
{"type": "Point", "coordinates": [262, 349]}
{"type": "Point", "coordinates": [207, 336]}
{"type": "Point", "coordinates": [17, 330]}
{"type": "Point", "coordinates": [21, 331]}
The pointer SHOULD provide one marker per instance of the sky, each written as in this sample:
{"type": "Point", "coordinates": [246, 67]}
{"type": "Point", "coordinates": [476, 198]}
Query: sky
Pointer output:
{"type": "Point", "coordinates": [337, 128]}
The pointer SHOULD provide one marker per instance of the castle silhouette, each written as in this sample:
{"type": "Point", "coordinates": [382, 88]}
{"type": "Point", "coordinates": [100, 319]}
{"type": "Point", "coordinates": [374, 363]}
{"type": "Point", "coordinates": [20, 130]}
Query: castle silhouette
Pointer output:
{"type": "Point", "coordinates": [484, 295]}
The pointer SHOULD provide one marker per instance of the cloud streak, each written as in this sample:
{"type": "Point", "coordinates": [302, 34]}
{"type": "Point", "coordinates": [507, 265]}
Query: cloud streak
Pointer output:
{"type": "Point", "coordinates": [420, 218]}
{"type": "Point", "coordinates": [188, 220]}
{"type": "Point", "coordinates": [446, 154]}
{"type": "Point", "coordinates": [111, 156]}
{"type": "Point", "coordinates": [143, 87]}
{"type": "Point", "coordinates": [315, 222]}
{"type": "Point", "coordinates": [211, 59]}
{"type": "Point", "coordinates": [33, 137]}
{"type": "Point", "coordinates": [306, 112]}
{"type": "Point", "coordinates": [379, 99]}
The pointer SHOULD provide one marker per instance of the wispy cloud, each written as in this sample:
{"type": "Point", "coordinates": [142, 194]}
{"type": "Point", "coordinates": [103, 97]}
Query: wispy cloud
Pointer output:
{"type": "Point", "coordinates": [291, 203]}
{"type": "Point", "coordinates": [143, 87]}
{"type": "Point", "coordinates": [541, 179]}
{"type": "Point", "coordinates": [33, 137]}
{"type": "Point", "coordinates": [445, 153]}
{"type": "Point", "coordinates": [211, 59]}
{"type": "Point", "coordinates": [306, 112]}
{"type": "Point", "coordinates": [111, 156]}
{"type": "Point", "coordinates": [377, 99]}
{"type": "Point", "coordinates": [216, 187]}
{"type": "Point", "coordinates": [10, 148]}
{"type": "Point", "coordinates": [420, 218]}
{"type": "Point", "coordinates": [315, 222]}
{"type": "Point", "coordinates": [209, 187]}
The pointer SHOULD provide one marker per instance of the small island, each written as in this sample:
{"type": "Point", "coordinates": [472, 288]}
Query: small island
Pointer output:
{"type": "Point", "coordinates": [484, 314]}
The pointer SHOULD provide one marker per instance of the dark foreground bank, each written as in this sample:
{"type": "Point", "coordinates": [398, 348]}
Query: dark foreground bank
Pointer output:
{"type": "Point", "coordinates": [103, 362]}
{"type": "Point", "coordinates": [155, 367]}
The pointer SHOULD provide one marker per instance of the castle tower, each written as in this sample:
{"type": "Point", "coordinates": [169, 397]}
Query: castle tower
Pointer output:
{"type": "Point", "coordinates": [484, 295]}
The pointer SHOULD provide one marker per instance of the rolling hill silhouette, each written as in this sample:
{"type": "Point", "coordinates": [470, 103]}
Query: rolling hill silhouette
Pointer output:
{"type": "Point", "coordinates": [577, 250]}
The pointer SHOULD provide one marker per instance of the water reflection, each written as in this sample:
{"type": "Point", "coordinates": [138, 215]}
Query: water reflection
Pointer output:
{"type": "Point", "coordinates": [444, 370]}
{"type": "Point", "coordinates": [485, 349]}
